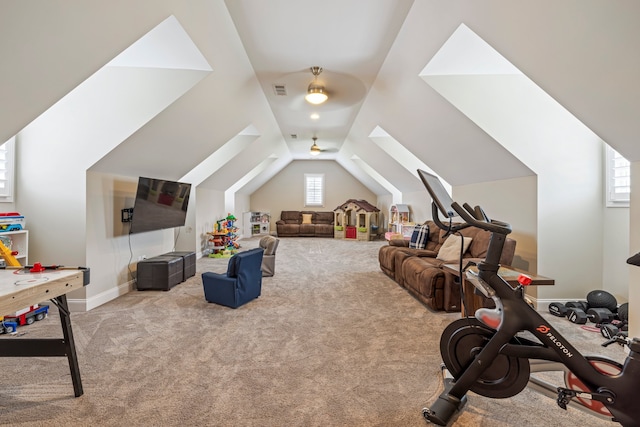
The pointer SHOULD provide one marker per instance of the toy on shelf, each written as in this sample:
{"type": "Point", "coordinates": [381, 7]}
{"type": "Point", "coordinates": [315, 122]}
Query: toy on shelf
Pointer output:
{"type": "Point", "coordinates": [11, 221]}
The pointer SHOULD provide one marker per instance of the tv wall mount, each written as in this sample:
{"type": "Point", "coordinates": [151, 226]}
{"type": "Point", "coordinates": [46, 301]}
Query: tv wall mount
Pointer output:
{"type": "Point", "coordinates": [126, 214]}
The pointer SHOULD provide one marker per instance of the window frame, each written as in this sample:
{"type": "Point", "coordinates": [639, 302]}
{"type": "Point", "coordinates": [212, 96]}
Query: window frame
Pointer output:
{"type": "Point", "coordinates": [8, 166]}
{"type": "Point", "coordinates": [319, 178]}
{"type": "Point", "coordinates": [614, 161]}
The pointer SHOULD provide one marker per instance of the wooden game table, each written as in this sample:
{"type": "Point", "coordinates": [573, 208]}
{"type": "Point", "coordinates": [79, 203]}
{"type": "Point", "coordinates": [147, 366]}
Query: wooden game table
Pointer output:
{"type": "Point", "coordinates": [19, 288]}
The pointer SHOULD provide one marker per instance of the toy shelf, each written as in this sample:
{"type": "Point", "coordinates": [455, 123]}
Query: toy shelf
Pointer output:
{"type": "Point", "coordinates": [17, 241]}
{"type": "Point", "coordinates": [255, 223]}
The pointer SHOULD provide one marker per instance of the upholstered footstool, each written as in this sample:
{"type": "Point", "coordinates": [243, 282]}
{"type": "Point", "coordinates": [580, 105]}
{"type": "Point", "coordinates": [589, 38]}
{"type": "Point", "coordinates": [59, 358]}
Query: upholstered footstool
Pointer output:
{"type": "Point", "coordinates": [162, 272]}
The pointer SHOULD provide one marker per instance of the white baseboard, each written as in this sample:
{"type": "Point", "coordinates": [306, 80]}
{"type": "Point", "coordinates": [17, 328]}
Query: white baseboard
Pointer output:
{"type": "Point", "coordinates": [543, 304]}
{"type": "Point", "coordinates": [86, 304]}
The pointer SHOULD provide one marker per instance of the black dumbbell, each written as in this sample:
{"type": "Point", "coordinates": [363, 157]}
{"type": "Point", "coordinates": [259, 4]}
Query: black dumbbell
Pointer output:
{"type": "Point", "coordinates": [595, 315]}
{"type": "Point", "coordinates": [582, 305]}
{"type": "Point", "coordinates": [558, 309]}
{"type": "Point", "coordinates": [610, 330]}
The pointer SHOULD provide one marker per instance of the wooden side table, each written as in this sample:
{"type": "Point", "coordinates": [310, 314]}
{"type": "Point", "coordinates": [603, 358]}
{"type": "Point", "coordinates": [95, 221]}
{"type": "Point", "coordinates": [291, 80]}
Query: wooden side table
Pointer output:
{"type": "Point", "coordinates": [473, 301]}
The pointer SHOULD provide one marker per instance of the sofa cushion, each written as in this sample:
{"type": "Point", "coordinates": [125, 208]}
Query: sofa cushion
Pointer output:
{"type": "Point", "coordinates": [450, 250]}
{"type": "Point", "coordinates": [324, 218]}
{"type": "Point", "coordinates": [323, 230]}
{"type": "Point", "coordinates": [306, 218]}
{"type": "Point", "coordinates": [419, 237]}
{"type": "Point", "coordinates": [480, 244]}
{"type": "Point", "coordinates": [288, 229]}
{"type": "Point", "coordinates": [291, 217]}
{"type": "Point", "coordinates": [307, 230]}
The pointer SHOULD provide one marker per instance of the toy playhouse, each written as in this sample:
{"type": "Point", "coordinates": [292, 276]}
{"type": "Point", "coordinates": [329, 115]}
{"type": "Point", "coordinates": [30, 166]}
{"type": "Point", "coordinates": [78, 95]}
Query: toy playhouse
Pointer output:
{"type": "Point", "coordinates": [356, 219]}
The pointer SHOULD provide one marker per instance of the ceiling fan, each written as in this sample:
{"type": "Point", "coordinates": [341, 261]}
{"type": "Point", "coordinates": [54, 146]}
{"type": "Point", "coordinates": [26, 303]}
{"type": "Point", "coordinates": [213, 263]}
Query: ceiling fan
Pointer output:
{"type": "Point", "coordinates": [315, 149]}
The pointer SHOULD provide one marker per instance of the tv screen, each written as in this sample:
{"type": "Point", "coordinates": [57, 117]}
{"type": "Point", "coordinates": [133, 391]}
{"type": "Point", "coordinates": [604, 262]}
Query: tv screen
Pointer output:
{"type": "Point", "coordinates": [159, 204]}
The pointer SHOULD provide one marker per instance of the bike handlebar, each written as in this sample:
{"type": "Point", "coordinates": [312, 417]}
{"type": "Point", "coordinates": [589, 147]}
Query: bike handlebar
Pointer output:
{"type": "Point", "coordinates": [451, 228]}
{"type": "Point", "coordinates": [483, 222]}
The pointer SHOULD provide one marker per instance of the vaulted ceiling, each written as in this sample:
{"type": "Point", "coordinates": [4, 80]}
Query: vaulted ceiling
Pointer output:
{"type": "Point", "coordinates": [383, 116]}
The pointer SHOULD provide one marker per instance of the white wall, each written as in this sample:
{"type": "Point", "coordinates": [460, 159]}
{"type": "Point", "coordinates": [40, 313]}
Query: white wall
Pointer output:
{"type": "Point", "coordinates": [634, 247]}
{"type": "Point", "coordinates": [186, 238]}
{"type": "Point", "coordinates": [615, 271]}
{"type": "Point", "coordinates": [209, 209]}
{"type": "Point", "coordinates": [242, 203]}
{"type": "Point", "coordinates": [420, 205]}
{"type": "Point", "coordinates": [513, 201]}
{"type": "Point", "coordinates": [384, 204]}
{"type": "Point", "coordinates": [285, 191]}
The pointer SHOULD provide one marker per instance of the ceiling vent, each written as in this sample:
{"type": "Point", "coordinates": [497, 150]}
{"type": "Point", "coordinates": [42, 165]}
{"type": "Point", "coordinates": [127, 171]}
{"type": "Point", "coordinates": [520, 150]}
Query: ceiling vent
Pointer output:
{"type": "Point", "coordinates": [294, 136]}
{"type": "Point", "coordinates": [280, 90]}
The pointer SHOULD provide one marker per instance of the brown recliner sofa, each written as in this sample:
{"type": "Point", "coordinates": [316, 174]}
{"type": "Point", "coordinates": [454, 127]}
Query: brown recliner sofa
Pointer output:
{"type": "Point", "coordinates": [305, 224]}
{"type": "Point", "coordinates": [420, 272]}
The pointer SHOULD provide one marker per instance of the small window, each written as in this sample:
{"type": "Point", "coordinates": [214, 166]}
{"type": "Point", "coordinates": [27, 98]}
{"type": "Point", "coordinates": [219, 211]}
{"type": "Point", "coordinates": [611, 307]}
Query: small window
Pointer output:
{"type": "Point", "coordinates": [618, 179]}
{"type": "Point", "coordinates": [6, 170]}
{"type": "Point", "coordinates": [313, 189]}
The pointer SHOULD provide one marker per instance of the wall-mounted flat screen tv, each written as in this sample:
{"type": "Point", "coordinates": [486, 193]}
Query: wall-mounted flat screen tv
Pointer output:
{"type": "Point", "coordinates": [159, 204]}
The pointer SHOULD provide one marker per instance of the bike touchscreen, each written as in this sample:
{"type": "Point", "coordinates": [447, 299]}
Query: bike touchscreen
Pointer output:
{"type": "Point", "coordinates": [438, 193]}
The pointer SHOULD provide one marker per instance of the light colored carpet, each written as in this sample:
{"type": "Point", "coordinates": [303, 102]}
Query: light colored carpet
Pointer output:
{"type": "Point", "coordinates": [332, 341]}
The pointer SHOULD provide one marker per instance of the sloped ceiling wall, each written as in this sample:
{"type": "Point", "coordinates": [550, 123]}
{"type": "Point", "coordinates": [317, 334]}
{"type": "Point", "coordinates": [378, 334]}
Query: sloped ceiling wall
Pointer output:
{"type": "Point", "coordinates": [582, 52]}
{"type": "Point", "coordinates": [68, 41]}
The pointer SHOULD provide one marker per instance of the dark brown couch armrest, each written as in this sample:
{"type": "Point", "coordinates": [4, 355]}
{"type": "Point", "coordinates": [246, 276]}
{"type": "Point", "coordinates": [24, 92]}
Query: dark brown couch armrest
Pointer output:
{"type": "Point", "coordinates": [399, 242]}
{"type": "Point", "coordinates": [424, 253]}
{"type": "Point", "coordinates": [280, 222]}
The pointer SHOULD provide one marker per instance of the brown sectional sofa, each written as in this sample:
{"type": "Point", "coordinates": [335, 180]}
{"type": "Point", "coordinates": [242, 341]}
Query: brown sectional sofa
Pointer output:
{"type": "Point", "coordinates": [421, 273]}
{"type": "Point", "coordinates": [292, 224]}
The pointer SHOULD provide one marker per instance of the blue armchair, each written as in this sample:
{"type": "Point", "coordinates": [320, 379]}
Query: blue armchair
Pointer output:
{"type": "Point", "coordinates": [242, 282]}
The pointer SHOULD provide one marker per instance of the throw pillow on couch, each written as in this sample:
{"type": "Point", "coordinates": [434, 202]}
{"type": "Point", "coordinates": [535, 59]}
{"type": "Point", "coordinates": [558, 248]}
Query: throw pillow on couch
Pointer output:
{"type": "Point", "coordinates": [450, 250]}
{"type": "Point", "coordinates": [419, 237]}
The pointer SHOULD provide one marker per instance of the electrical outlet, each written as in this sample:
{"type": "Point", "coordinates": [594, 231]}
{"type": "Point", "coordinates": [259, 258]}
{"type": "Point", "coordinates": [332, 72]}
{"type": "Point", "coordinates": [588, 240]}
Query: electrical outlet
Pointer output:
{"type": "Point", "coordinates": [142, 257]}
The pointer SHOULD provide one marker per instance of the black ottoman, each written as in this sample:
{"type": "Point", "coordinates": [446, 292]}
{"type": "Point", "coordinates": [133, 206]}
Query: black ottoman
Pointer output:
{"type": "Point", "coordinates": [162, 272]}
{"type": "Point", "coordinates": [189, 262]}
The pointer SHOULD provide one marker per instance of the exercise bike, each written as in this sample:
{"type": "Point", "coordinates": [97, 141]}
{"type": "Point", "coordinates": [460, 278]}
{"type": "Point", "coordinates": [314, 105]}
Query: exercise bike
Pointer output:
{"type": "Point", "coordinates": [494, 353]}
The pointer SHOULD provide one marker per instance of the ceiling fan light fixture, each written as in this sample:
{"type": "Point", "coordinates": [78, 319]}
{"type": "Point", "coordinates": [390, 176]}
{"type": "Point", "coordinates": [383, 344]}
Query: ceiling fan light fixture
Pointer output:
{"type": "Point", "coordinates": [316, 93]}
{"type": "Point", "coordinates": [314, 150]}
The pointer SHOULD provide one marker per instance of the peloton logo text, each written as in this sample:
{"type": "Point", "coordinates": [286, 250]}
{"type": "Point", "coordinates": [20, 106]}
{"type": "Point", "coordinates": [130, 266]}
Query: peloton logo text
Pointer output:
{"type": "Point", "coordinates": [545, 330]}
